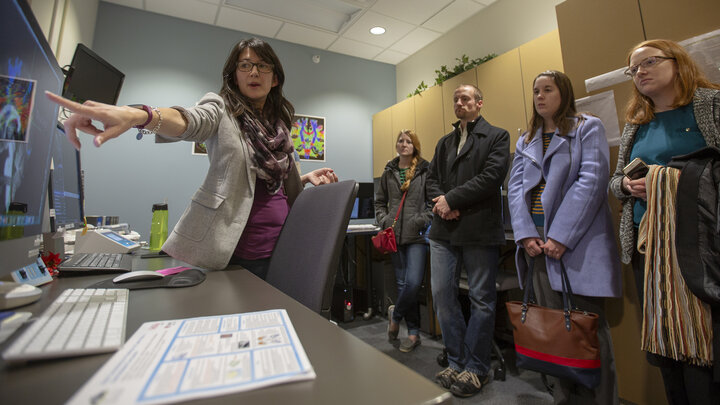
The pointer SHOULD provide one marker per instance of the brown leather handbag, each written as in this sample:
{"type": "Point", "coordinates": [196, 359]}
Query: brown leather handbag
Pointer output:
{"type": "Point", "coordinates": [558, 342]}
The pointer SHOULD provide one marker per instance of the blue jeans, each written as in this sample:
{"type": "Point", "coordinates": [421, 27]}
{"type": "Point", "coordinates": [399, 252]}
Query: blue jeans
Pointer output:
{"type": "Point", "coordinates": [468, 344]}
{"type": "Point", "coordinates": [409, 264]}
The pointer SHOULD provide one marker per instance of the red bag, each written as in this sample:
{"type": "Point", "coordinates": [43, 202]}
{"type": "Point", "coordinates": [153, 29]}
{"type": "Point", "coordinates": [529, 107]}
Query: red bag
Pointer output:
{"type": "Point", "coordinates": [384, 241]}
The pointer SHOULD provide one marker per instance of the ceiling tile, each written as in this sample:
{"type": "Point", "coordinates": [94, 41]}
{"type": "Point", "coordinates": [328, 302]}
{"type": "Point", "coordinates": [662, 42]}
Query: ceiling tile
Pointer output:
{"type": "Point", "coordinates": [247, 22]}
{"type": "Point", "coordinates": [485, 2]}
{"type": "Point", "coordinates": [412, 11]}
{"type": "Point", "coordinates": [193, 10]}
{"type": "Point", "coordinates": [392, 57]}
{"type": "Point", "coordinates": [360, 30]}
{"type": "Point", "coordinates": [355, 48]}
{"type": "Point", "coordinates": [305, 36]}
{"type": "Point", "coordinates": [329, 15]}
{"type": "Point", "coordinates": [128, 3]}
{"type": "Point", "coordinates": [452, 15]}
{"type": "Point", "coordinates": [415, 40]}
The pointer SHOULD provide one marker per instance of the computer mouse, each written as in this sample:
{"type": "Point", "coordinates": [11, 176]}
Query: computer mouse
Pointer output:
{"type": "Point", "coordinates": [141, 275]}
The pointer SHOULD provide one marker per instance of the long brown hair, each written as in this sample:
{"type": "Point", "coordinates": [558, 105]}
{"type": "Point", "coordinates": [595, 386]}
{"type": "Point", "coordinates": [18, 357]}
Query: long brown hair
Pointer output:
{"type": "Point", "coordinates": [276, 107]}
{"type": "Point", "coordinates": [565, 113]}
{"type": "Point", "coordinates": [416, 156]}
{"type": "Point", "coordinates": [640, 108]}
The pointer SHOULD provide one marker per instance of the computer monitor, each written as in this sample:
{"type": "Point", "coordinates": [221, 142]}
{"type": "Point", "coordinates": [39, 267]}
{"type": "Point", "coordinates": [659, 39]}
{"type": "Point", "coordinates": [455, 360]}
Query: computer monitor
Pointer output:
{"type": "Point", "coordinates": [91, 77]}
{"type": "Point", "coordinates": [364, 207]}
{"type": "Point", "coordinates": [28, 68]}
{"type": "Point", "coordinates": [65, 191]}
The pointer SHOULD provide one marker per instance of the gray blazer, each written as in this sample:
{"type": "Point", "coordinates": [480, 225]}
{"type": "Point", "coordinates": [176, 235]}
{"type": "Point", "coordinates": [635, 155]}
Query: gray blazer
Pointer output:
{"type": "Point", "coordinates": [210, 228]}
{"type": "Point", "coordinates": [706, 106]}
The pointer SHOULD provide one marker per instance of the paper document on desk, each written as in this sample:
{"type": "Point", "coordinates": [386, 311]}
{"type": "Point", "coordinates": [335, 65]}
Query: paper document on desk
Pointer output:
{"type": "Point", "coordinates": [179, 360]}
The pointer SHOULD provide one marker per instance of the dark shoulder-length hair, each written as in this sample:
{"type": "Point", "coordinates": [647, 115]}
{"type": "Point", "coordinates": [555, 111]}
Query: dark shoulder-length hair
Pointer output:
{"type": "Point", "coordinates": [640, 108]}
{"type": "Point", "coordinates": [276, 107]}
{"type": "Point", "coordinates": [564, 116]}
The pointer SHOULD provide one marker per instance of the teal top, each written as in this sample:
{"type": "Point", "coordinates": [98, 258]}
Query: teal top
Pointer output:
{"type": "Point", "coordinates": [670, 133]}
{"type": "Point", "coordinates": [403, 173]}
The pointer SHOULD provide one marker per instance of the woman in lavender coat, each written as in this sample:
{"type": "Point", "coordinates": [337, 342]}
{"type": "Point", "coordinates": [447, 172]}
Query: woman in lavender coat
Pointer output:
{"type": "Point", "coordinates": [558, 199]}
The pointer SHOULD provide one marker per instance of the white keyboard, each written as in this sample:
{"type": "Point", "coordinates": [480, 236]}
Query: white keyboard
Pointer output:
{"type": "Point", "coordinates": [78, 322]}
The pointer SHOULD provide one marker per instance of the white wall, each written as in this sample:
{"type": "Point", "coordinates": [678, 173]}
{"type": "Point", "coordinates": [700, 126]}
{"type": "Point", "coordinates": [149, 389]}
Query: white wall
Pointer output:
{"type": "Point", "coordinates": [65, 24]}
{"type": "Point", "coordinates": [502, 26]}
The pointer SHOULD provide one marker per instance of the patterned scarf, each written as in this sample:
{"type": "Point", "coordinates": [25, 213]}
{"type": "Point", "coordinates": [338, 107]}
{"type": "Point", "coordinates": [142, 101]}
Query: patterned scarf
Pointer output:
{"type": "Point", "coordinates": [272, 150]}
{"type": "Point", "coordinates": [676, 324]}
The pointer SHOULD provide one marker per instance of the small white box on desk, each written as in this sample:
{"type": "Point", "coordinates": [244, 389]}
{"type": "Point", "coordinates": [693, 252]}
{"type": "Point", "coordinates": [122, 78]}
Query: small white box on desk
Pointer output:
{"type": "Point", "coordinates": [103, 241]}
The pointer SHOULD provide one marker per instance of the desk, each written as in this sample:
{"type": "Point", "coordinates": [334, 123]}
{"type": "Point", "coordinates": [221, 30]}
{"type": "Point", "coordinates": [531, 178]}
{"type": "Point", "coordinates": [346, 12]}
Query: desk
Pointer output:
{"type": "Point", "coordinates": [348, 370]}
{"type": "Point", "coordinates": [371, 303]}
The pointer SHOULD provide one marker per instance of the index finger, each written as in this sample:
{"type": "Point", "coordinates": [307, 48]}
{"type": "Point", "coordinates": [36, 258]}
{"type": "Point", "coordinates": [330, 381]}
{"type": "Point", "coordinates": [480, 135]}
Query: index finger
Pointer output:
{"type": "Point", "coordinates": [62, 101]}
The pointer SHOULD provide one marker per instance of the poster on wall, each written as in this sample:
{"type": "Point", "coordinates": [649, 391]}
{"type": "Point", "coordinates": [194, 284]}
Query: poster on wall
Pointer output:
{"type": "Point", "coordinates": [199, 148]}
{"type": "Point", "coordinates": [308, 136]}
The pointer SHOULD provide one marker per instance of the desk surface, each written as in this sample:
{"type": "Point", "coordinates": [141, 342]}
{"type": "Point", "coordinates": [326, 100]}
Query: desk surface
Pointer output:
{"type": "Point", "coordinates": [348, 370]}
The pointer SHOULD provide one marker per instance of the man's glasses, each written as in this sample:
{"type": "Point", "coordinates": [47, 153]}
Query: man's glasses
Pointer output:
{"type": "Point", "coordinates": [646, 63]}
{"type": "Point", "coordinates": [262, 67]}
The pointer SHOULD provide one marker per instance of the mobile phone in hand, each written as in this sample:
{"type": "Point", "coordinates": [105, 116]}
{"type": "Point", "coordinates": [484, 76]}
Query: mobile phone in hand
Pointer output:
{"type": "Point", "coordinates": [636, 169]}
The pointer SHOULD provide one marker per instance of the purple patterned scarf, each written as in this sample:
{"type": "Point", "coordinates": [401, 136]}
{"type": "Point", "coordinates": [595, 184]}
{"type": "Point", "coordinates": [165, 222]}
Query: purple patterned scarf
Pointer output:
{"type": "Point", "coordinates": [272, 150]}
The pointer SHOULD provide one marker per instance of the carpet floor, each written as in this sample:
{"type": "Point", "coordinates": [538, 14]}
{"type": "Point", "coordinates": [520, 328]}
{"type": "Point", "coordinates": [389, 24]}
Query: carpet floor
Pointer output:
{"type": "Point", "coordinates": [520, 386]}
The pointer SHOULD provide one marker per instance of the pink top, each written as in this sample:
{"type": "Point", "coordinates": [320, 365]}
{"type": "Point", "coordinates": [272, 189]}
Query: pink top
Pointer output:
{"type": "Point", "coordinates": [266, 219]}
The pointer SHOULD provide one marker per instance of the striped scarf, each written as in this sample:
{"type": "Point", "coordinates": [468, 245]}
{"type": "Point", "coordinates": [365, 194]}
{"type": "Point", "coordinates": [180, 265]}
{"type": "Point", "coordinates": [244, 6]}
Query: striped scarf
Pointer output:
{"type": "Point", "coordinates": [676, 324]}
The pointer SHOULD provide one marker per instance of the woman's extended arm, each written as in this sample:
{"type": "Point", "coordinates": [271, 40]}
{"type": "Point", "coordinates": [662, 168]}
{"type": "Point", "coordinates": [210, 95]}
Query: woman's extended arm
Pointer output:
{"type": "Point", "coordinates": [115, 119]}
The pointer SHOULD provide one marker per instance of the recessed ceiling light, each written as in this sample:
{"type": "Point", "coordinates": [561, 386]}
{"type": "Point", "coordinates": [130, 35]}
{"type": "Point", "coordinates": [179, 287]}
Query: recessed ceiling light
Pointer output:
{"type": "Point", "coordinates": [377, 30]}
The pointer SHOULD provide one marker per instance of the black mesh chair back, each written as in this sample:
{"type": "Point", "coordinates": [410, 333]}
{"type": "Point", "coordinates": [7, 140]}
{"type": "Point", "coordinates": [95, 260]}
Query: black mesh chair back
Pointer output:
{"type": "Point", "coordinates": [307, 254]}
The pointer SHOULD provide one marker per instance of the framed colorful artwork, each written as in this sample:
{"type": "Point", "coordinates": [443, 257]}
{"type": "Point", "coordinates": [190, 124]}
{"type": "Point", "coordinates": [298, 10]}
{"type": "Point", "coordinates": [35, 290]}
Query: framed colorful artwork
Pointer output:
{"type": "Point", "coordinates": [16, 105]}
{"type": "Point", "coordinates": [308, 136]}
{"type": "Point", "coordinates": [199, 149]}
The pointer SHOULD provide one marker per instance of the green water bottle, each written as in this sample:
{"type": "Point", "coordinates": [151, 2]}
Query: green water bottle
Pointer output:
{"type": "Point", "coordinates": [15, 226]}
{"type": "Point", "coordinates": [159, 226]}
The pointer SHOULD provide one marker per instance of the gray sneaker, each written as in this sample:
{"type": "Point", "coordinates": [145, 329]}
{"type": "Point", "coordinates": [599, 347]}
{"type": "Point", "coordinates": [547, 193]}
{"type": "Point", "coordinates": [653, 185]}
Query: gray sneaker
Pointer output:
{"type": "Point", "coordinates": [447, 377]}
{"type": "Point", "coordinates": [468, 384]}
{"type": "Point", "coordinates": [408, 345]}
{"type": "Point", "coordinates": [392, 335]}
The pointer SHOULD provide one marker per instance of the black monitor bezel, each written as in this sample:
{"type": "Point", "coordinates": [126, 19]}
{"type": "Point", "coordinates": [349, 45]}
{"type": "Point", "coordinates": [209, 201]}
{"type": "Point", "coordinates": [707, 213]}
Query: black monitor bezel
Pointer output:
{"type": "Point", "coordinates": [83, 49]}
{"type": "Point", "coordinates": [81, 190]}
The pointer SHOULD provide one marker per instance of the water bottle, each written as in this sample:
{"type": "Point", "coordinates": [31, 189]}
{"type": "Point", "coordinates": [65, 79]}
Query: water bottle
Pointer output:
{"type": "Point", "coordinates": [158, 228]}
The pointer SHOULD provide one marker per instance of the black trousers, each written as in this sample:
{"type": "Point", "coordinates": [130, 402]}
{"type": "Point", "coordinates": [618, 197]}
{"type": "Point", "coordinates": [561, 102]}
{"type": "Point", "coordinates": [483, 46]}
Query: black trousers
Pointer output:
{"type": "Point", "coordinates": [685, 383]}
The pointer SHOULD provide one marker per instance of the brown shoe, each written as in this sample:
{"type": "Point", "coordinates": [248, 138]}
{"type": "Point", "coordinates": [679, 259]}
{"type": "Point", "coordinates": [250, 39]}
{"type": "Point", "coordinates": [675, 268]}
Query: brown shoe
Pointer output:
{"type": "Point", "coordinates": [408, 345]}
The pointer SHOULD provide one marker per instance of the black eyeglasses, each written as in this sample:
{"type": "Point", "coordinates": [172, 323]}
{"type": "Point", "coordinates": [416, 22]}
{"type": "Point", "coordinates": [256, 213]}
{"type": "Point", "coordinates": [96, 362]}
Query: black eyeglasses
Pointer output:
{"type": "Point", "coordinates": [262, 67]}
{"type": "Point", "coordinates": [646, 63]}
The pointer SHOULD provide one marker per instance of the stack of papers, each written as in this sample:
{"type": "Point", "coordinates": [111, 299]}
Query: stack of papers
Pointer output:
{"type": "Point", "coordinates": [179, 360]}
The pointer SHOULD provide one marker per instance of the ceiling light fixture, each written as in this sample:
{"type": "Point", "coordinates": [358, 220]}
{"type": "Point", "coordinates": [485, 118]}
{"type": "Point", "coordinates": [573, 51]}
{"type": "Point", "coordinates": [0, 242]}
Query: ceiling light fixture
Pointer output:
{"type": "Point", "coordinates": [377, 30]}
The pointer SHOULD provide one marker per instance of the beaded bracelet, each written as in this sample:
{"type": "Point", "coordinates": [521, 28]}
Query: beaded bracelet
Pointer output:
{"type": "Point", "coordinates": [142, 131]}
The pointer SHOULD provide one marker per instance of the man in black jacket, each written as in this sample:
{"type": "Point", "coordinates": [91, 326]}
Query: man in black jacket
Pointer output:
{"type": "Point", "coordinates": [466, 174]}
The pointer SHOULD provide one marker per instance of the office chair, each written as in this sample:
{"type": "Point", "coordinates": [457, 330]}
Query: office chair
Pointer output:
{"type": "Point", "coordinates": [307, 253]}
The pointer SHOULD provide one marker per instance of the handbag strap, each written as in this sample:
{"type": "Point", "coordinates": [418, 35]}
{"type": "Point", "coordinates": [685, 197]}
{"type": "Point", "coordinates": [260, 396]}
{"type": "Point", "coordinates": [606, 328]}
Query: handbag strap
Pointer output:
{"type": "Point", "coordinates": [399, 209]}
{"type": "Point", "coordinates": [529, 295]}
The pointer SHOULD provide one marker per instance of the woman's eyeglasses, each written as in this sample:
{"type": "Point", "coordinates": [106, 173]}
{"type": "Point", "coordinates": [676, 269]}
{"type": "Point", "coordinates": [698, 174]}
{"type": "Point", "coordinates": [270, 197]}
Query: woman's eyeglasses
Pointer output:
{"type": "Point", "coordinates": [646, 63]}
{"type": "Point", "coordinates": [262, 67]}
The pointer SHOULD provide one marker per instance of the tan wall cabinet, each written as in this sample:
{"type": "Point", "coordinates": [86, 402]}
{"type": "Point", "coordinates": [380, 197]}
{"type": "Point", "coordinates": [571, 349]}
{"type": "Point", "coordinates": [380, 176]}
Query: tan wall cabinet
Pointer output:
{"type": "Point", "coordinates": [382, 141]}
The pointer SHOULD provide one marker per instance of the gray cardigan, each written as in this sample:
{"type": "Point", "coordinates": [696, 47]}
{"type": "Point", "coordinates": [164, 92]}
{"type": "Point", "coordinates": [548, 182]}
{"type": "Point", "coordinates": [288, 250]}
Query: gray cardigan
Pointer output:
{"type": "Point", "coordinates": [706, 106]}
{"type": "Point", "coordinates": [211, 226]}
